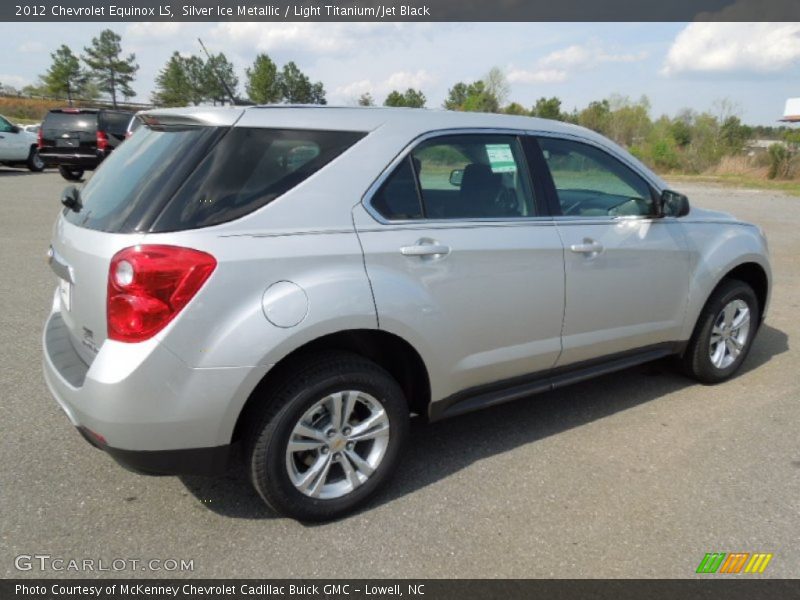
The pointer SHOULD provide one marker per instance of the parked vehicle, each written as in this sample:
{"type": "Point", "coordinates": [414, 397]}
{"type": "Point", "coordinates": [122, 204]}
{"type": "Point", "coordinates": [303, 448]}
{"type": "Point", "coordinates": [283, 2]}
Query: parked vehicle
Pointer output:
{"type": "Point", "coordinates": [294, 282]}
{"type": "Point", "coordinates": [18, 147]}
{"type": "Point", "coordinates": [78, 139]}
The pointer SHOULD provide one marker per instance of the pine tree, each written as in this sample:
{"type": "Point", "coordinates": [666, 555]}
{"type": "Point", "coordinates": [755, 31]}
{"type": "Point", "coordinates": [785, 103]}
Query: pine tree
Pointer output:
{"type": "Point", "coordinates": [65, 76]}
{"type": "Point", "coordinates": [263, 83]}
{"type": "Point", "coordinates": [112, 73]}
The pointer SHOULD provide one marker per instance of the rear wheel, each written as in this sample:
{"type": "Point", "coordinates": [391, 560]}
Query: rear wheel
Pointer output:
{"type": "Point", "coordinates": [70, 173]}
{"type": "Point", "coordinates": [35, 162]}
{"type": "Point", "coordinates": [330, 436]}
{"type": "Point", "coordinates": [724, 333]}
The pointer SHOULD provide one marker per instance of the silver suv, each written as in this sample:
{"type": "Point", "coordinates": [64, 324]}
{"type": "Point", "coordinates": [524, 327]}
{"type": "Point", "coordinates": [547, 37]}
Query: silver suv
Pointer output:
{"type": "Point", "coordinates": [290, 284]}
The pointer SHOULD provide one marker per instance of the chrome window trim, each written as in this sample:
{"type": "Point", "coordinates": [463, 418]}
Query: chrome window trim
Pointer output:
{"type": "Point", "coordinates": [366, 199]}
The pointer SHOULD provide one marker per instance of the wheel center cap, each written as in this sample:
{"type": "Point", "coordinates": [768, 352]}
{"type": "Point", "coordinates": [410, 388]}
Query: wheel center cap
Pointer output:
{"type": "Point", "coordinates": [338, 444]}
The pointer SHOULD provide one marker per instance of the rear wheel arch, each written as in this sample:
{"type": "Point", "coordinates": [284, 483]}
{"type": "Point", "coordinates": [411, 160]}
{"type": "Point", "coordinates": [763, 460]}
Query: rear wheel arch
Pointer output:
{"type": "Point", "coordinates": [387, 350]}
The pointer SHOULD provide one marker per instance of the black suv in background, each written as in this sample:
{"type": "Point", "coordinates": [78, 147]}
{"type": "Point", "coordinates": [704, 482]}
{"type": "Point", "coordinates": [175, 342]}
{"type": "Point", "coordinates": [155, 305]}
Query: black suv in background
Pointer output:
{"type": "Point", "coordinates": [78, 139]}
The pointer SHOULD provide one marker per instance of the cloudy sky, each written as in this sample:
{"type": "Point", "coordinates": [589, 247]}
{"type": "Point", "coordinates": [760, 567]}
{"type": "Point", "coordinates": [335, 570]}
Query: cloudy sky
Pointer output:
{"type": "Point", "coordinates": [677, 65]}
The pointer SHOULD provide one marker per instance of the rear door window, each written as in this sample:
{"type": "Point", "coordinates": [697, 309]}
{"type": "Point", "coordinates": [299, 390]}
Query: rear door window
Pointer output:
{"type": "Point", "coordinates": [115, 122]}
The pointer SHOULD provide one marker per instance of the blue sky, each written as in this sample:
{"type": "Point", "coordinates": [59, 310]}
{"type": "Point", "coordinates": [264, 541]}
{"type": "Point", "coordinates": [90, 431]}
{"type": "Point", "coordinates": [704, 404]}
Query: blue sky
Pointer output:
{"type": "Point", "coordinates": [754, 66]}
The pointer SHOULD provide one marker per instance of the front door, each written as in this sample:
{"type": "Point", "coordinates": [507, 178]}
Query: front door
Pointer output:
{"type": "Point", "coordinates": [627, 273]}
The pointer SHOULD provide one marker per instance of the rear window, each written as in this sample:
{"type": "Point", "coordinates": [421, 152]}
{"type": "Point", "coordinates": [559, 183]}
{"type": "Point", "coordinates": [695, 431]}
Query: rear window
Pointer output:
{"type": "Point", "coordinates": [70, 121]}
{"type": "Point", "coordinates": [186, 178]}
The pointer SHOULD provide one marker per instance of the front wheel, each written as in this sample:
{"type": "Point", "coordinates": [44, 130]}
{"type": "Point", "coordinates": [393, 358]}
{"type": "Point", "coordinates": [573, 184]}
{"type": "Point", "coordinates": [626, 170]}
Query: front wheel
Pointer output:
{"type": "Point", "coordinates": [35, 162]}
{"type": "Point", "coordinates": [70, 173]}
{"type": "Point", "coordinates": [329, 437]}
{"type": "Point", "coordinates": [724, 333]}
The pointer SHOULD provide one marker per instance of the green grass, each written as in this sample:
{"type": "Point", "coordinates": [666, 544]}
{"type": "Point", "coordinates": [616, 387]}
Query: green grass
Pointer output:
{"type": "Point", "coordinates": [741, 181]}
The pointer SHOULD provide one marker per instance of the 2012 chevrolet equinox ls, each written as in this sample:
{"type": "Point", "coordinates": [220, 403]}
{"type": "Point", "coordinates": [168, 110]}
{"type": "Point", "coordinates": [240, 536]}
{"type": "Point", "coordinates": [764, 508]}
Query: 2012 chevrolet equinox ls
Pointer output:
{"type": "Point", "coordinates": [296, 281]}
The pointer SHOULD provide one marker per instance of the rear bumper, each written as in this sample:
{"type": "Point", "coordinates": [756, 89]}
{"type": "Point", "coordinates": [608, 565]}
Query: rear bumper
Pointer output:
{"type": "Point", "coordinates": [81, 161]}
{"type": "Point", "coordinates": [144, 406]}
{"type": "Point", "coordinates": [189, 461]}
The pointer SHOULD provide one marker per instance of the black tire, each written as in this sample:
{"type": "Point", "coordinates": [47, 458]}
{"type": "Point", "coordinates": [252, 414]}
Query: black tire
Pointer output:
{"type": "Point", "coordinates": [70, 173]}
{"type": "Point", "coordinates": [35, 162]}
{"type": "Point", "coordinates": [288, 400]}
{"type": "Point", "coordinates": [697, 362]}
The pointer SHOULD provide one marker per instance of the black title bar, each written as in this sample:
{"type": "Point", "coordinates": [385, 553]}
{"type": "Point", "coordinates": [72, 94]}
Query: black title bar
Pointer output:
{"type": "Point", "coordinates": [403, 10]}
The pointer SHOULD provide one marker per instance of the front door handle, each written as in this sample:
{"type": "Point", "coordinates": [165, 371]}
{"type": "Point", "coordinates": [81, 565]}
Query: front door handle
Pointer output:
{"type": "Point", "coordinates": [588, 246]}
{"type": "Point", "coordinates": [425, 249]}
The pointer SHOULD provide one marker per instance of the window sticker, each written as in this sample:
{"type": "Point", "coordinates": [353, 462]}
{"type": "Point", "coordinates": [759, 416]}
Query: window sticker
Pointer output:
{"type": "Point", "coordinates": [501, 159]}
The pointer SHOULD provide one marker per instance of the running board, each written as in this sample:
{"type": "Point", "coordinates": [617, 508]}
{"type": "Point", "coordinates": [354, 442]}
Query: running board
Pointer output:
{"type": "Point", "coordinates": [528, 385]}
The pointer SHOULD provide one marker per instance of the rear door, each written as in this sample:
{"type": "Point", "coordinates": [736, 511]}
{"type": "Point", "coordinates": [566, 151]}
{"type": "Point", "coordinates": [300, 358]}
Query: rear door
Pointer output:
{"type": "Point", "coordinates": [462, 262]}
{"type": "Point", "coordinates": [627, 272]}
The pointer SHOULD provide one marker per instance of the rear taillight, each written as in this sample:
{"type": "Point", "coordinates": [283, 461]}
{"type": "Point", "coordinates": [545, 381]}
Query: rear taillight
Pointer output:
{"type": "Point", "coordinates": [102, 141]}
{"type": "Point", "coordinates": [40, 139]}
{"type": "Point", "coordinates": [149, 285]}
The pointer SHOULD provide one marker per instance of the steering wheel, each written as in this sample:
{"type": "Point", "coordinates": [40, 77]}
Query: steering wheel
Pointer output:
{"type": "Point", "coordinates": [506, 202]}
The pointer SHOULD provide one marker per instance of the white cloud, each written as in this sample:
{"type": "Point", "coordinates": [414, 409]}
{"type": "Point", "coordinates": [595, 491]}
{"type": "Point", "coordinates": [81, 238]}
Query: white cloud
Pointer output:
{"type": "Point", "coordinates": [732, 47]}
{"type": "Point", "coordinates": [15, 81]}
{"type": "Point", "coordinates": [536, 75]}
{"type": "Point", "coordinates": [315, 38]}
{"type": "Point", "coordinates": [587, 56]}
{"type": "Point", "coordinates": [400, 80]}
{"type": "Point", "coordinates": [557, 66]}
{"type": "Point", "coordinates": [31, 47]}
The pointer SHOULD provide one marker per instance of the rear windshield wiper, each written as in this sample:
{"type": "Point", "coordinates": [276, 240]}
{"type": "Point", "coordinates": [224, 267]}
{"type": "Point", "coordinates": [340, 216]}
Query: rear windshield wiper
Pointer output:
{"type": "Point", "coordinates": [71, 198]}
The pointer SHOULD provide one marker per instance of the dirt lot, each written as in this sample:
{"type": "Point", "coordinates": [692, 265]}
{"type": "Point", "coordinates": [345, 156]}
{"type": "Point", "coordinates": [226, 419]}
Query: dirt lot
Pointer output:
{"type": "Point", "coordinates": [637, 474]}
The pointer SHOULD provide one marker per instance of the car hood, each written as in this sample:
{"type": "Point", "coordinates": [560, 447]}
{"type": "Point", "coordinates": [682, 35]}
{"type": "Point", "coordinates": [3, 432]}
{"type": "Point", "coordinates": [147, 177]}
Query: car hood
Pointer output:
{"type": "Point", "coordinates": [704, 214]}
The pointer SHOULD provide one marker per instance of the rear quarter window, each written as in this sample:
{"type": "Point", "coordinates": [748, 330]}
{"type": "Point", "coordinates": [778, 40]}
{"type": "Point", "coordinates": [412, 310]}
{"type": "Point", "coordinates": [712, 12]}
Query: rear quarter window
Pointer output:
{"type": "Point", "coordinates": [248, 169]}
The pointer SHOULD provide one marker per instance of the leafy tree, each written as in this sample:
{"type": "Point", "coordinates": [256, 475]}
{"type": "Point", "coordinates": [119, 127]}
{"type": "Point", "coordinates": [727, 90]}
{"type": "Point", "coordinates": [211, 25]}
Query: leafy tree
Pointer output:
{"type": "Point", "coordinates": [595, 116]}
{"type": "Point", "coordinates": [112, 73]}
{"type": "Point", "coordinates": [296, 87]}
{"type": "Point", "coordinates": [218, 70]}
{"type": "Point", "coordinates": [515, 109]}
{"type": "Point", "coordinates": [366, 99]}
{"type": "Point", "coordinates": [172, 83]}
{"type": "Point", "coordinates": [496, 85]}
{"type": "Point", "coordinates": [263, 83]}
{"type": "Point", "coordinates": [411, 98]}
{"type": "Point", "coordinates": [547, 108]}
{"type": "Point", "coordinates": [473, 97]}
{"type": "Point", "coordinates": [65, 76]}
{"type": "Point", "coordinates": [734, 135]}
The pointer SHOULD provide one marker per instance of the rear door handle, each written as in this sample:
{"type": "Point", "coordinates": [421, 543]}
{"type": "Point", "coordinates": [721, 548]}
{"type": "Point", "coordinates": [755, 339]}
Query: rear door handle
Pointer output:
{"type": "Point", "coordinates": [425, 250]}
{"type": "Point", "coordinates": [588, 246]}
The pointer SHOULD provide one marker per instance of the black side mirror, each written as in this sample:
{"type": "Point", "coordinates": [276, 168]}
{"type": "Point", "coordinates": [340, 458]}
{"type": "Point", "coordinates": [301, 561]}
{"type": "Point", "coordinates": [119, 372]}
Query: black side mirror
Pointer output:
{"type": "Point", "coordinates": [673, 204]}
{"type": "Point", "coordinates": [456, 176]}
{"type": "Point", "coordinates": [16, 129]}
{"type": "Point", "coordinates": [71, 198]}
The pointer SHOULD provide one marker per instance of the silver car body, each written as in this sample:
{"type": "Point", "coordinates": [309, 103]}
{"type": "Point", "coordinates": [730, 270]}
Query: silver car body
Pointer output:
{"type": "Point", "coordinates": [509, 298]}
